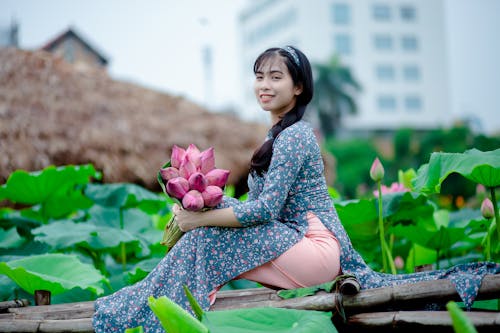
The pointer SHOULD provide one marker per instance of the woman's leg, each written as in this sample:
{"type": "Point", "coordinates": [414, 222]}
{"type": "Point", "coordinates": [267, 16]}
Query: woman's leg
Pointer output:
{"type": "Point", "coordinates": [313, 260]}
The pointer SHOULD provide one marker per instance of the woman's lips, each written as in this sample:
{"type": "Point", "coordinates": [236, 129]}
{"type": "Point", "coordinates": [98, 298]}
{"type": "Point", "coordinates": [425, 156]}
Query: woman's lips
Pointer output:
{"type": "Point", "coordinates": [265, 98]}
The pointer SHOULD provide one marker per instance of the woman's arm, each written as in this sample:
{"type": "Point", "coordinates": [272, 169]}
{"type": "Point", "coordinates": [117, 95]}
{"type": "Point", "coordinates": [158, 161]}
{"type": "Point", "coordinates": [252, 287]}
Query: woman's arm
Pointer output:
{"type": "Point", "coordinates": [223, 217]}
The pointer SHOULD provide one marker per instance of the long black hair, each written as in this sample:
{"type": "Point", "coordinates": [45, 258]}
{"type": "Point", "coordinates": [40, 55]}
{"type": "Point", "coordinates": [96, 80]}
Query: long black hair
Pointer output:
{"type": "Point", "coordinates": [300, 69]}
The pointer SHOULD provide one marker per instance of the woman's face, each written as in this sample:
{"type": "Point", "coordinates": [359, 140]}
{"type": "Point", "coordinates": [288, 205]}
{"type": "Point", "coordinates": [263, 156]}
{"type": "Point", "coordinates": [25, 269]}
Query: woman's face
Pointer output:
{"type": "Point", "coordinates": [274, 87]}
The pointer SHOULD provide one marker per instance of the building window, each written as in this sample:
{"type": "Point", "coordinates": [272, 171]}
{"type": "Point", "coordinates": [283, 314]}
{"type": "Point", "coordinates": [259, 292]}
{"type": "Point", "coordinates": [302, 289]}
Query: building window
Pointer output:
{"type": "Point", "coordinates": [341, 13]}
{"type": "Point", "coordinates": [386, 103]}
{"type": "Point", "coordinates": [411, 73]}
{"type": "Point", "coordinates": [408, 13]}
{"type": "Point", "coordinates": [381, 12]}
{"type": "Point", "coordinates": [409, 43]}
{"type": "Point", "coordinates": [383, 42]}
{"type": "Point", "coordinates": [413, 103]}
{"type": "Point", "coordinates": [385, 72]}
{"type": "Point", "coordinates": [343, 44]}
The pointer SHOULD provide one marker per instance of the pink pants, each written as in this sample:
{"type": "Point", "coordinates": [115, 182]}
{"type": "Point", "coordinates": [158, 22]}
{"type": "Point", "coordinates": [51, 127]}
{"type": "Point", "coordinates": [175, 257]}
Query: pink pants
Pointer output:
{"type": "Point", "coordinates": [315, 259]}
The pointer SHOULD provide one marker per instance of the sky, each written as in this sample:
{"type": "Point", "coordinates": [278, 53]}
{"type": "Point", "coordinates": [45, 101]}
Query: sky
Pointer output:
{"type": "Point", "coordinates": [158, 44]}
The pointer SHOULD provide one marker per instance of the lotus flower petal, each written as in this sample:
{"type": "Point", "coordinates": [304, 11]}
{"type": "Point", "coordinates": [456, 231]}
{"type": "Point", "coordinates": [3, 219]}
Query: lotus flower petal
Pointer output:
{"type": "Point", "coordinates": [217, 177]}
{"type": "Point", "coordinates": [212, 195]}
{"type": "Point", "coordinates": [193, 154]}
{"type": "Point", "coordinates": [187, 168]}
{"type": "Point", "coordinates": [377, 170]}
{"type": "Point", "coordinates": [198, 182]}
{"type": "Point", "coordinates": [177, 187]}
{"type": "Point", "coordinates": [169, 173]}
{"type": "Point", "coordinates": [207, 160]}
{"type": "Point", "coordinates": [177, 157]}
{"type": "Point", "coordinates": [193, 201]}
{"type": "Point", "coordinates": [487, 209]}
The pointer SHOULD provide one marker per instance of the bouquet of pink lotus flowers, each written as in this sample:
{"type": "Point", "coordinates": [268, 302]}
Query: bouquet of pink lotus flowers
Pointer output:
{"type": "Point", "coordinates": [190, 177]}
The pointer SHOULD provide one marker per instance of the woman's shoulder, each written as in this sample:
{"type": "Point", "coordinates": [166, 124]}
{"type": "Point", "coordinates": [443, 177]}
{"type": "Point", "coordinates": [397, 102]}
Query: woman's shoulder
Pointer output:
{"type": "Point", "coordinates": [300, 129]}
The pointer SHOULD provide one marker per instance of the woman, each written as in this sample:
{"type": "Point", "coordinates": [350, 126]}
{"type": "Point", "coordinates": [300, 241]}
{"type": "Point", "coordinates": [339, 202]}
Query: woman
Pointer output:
{"type": "Point", "coordinates": [286, 235]}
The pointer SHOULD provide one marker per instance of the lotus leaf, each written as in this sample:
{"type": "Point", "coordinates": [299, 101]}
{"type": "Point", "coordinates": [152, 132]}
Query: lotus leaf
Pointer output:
{"type": "Point", "coordinates": [54, 272]}
{"type": "Point", "coordinates": [475, 165]}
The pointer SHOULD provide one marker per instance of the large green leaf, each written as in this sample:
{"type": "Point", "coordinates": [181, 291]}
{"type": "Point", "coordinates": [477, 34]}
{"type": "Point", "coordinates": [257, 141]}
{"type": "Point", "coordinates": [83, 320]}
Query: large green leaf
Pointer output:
{"type": "Point", "coordinates": [36, 187]}
{"type": "Point", "coordinates": [65, 234]}
{"type": "Point", "coordinates": [274, 320]}
{"type": "Point", "coordinates": [54, 272]}
{"type": "Point", "coordinates": [359, 217]}
{"type": "Point", "coordinates": [475, 165]}
{"type": "Point", "coordinates": [56, 188]}
{"type": "Point", "coordinates": [10, 239]}
{"type": "Point", "coordinates": [125, 195]}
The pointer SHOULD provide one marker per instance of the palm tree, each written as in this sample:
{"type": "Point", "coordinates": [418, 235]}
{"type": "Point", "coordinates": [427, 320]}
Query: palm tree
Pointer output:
{"type": "Point", "coordinates": [334, 91]}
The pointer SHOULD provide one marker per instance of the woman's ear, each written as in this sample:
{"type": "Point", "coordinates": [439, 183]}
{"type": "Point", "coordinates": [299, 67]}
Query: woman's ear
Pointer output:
{"type": "Point", "coordinates": [298, 89]}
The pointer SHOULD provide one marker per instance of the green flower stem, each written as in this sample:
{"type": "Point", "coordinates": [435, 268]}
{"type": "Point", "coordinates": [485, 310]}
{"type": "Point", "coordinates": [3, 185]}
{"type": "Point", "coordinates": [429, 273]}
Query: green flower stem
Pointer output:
{"type": "Point", "coordinates": [495, 209]}
{"type": "Point", "coordinates": [386, 251]}
{"type": "Point", "coordinates": [488, 240]}
{"type": "Point", "coordinates": [123, 250]}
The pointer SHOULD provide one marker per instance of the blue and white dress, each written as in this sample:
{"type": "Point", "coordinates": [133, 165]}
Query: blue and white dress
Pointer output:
{"type": "Point", "coordinates": [274, 219]}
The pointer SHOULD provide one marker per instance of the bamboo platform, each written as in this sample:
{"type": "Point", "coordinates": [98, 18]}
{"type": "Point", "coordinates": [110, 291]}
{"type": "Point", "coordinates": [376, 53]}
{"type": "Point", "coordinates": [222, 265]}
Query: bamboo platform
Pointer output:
{"type": "Point", "coordinates": [391, 309]}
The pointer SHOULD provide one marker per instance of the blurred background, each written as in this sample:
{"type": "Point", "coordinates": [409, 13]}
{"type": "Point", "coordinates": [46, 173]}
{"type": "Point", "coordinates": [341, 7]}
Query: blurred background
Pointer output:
{"type": "Point", "coordinates": [117, 83]}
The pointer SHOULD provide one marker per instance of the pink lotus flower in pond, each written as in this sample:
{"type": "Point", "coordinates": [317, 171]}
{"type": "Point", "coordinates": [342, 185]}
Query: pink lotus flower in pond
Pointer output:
{"type": "Point", "coordinates": [177, 157]}
{"type": "Point", "coordinates": [193, 155]}
{"type": "Point", "coordinates": [399, 262]}
{"type": "Point", "coordinates": [217, 177]}
{"type": "Point", "coordinates": [169, 173]}
{"type": "Point", "coordinates": [193, 201]}
{"type": "Point", "coordinates": [212, 195]}
{"type": "Point", "coordinates": [394, 188]}
{"type": "Point", "coordinates": [198, 182]}
{"type": "Point", "coordinates": [187, 168]}
{"type": "Point", "coordinates": [177, 187]}
{"type": "Point", "coordinates": [207, 160]}
{"type": "Point", "coordinates": [487, 209]}
{"type": "Point", "coordinates": [377, 170]}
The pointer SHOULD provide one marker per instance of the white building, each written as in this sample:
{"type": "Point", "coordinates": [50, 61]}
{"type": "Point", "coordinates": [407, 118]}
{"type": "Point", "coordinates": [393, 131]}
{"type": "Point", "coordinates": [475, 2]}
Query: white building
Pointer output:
{"type": "Point", "coordinates": [396, 50]}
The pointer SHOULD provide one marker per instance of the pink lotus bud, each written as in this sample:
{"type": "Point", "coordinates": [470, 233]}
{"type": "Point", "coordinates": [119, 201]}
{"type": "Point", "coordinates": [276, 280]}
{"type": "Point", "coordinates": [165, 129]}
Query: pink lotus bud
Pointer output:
{"type": "Point", "coordinates": [177, 156]}
{"type": "Point", "coordinates": [187, 168]}
{"type": "Point", "coordinates": [207, 160]}
{"type": "Point", "coordinates": [399, 262]}
{"type": "Point", "coordinates": [217, 177]}
{"type": "Point", "coordinates": [198, 182]}
{"type": "Point", "coordinates": [377, 170]}
{"type": "Point", "coordinates": [192, 201]}
{"type": "Point", "coordinates": [212, 195]}
{"type": "Point", "coordinates": [487, 209]}
{"type": "Point", "coordinates": [169, 173]}
{"type": "Point", "coordinates": [177, 187]}
{"type": "Point", "coordinates": [193, 155]}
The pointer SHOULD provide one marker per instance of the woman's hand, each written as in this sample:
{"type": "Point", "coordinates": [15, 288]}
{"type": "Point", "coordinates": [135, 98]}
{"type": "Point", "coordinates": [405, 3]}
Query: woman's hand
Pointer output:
{"type": "Point", "coordinates": [186, 220]}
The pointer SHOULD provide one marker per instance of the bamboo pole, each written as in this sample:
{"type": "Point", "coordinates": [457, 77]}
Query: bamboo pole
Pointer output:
{"type": "Point", "coordinates": [82, 325]}
{"type": "Point", "coordinates": [409, 321]}
{"type": "Point", "coordinates": [13, 304]}
{"type": "Point", "coordinates": [405, 296]}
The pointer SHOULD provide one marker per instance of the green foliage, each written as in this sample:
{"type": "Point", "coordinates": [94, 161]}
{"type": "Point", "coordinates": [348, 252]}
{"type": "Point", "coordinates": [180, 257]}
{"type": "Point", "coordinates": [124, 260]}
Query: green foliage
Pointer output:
{"type": "Point", "coordinates": [354, 160]}
{"type": "Point", "coordinates": [334, 94]}
{"type": "Point", "coordinates": [477, 166]}
{"type": "Point", "coordinates": [461, 323]}
{"type": "Point", "coordinates": [54, 272]}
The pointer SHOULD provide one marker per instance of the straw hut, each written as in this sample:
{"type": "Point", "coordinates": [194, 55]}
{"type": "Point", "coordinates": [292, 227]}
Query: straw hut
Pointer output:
{"type": "Point", "coordinates": [55, 113]}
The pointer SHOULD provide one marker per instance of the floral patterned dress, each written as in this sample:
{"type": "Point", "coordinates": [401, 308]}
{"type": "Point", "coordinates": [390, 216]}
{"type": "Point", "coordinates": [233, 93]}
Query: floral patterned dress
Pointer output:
{"type": "Point", "coordinates": [274, 219]}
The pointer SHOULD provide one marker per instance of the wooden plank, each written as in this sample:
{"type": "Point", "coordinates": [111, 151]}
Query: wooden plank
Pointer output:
{"type": "Point", "coordinates": [13, 304]}
{"type": "Point", "coordinates": [405, 296]}
{"type": "Point", "coordinates": [56, 311]}
{"type": "Point", "coordinates": [409, 321]}
{"type": "Point", "coordinates": [53, 326]}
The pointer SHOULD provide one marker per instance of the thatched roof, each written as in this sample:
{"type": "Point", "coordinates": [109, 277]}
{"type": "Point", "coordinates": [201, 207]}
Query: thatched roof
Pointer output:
{"type": "Point", "coordinates": [52, 112]}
